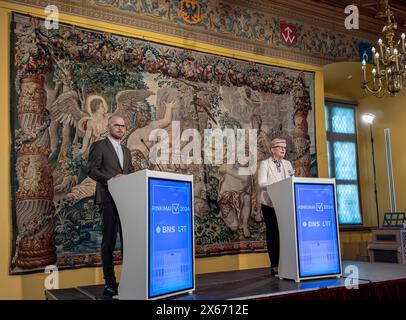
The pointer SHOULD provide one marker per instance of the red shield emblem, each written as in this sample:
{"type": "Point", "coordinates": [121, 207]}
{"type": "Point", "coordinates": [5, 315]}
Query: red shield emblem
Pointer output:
{"type": "Point", "coordinates": [288, 33]}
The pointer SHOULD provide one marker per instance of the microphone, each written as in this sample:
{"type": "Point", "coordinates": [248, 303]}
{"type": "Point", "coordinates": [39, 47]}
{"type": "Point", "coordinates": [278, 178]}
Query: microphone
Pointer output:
{"type": "Point", "coordinates": [143, 142]}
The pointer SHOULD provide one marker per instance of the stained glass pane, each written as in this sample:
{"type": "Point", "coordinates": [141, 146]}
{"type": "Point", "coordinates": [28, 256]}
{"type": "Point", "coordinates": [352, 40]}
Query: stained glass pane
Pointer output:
{"type": "Point", "coordinates": [348, 204]}
{"type": "Point", "coordinates": [343, 120]}
{"type": "Point", "coordinates": [345, 161]}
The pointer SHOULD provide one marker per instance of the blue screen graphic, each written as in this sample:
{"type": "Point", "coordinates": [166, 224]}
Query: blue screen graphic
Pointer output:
{"type": "Point", "coordinates": [316, 230]}
{"type": "Point", "coordinates": [170, 236]}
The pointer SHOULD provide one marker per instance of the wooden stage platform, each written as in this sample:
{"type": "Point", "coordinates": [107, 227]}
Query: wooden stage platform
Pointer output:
{"type": "Point", "coordinates": [257, 284]}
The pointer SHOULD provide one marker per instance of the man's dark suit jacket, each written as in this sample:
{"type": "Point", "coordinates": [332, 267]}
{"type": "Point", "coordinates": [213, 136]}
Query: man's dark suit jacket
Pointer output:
{"type": "Point", "coordinates": [103, 164]}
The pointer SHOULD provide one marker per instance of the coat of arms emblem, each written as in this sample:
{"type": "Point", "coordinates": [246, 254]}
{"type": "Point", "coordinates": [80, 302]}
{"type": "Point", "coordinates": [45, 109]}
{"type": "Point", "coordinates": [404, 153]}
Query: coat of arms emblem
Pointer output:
{"type": "Point", "coordinates": [288, 33]}
{"type": "Point", "coordinates": [190, 11]}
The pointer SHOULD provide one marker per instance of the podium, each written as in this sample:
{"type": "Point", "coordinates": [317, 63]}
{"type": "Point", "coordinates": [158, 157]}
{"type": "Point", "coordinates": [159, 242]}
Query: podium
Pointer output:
{"type": "Point", "coordinates": [156, 213]}
{"type": "Point", "coordinates": [306, 210]}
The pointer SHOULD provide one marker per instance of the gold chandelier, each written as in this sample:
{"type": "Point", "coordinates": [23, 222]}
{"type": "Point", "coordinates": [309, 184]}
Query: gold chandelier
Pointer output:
{"type": "Point", "coordinates": [388, 61]}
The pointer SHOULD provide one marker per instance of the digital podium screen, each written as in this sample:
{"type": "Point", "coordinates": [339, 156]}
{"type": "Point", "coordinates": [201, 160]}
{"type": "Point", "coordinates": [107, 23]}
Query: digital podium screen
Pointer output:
{"type": "Point", "coordinates": [316, 225]}
{"type": "Point", "coordinates": [170, 250]}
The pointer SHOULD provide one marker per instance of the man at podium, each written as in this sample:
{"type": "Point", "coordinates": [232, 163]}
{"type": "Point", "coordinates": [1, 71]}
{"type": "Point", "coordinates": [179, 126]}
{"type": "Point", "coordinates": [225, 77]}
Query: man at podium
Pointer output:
{"type": "Point", "coordinates": [272, 170]}
{"type": "Point", "coordinates": [108, 159]}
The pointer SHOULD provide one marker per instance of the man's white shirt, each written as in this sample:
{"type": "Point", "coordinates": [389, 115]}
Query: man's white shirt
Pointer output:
{"type": "Point", "coordinates": [118, 148]}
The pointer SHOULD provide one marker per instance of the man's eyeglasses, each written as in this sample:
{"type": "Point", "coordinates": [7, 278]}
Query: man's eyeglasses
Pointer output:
{"type": "Point", "coordinates": [280, 147]}
{"type": "Point", "coordinates": [118, 126]}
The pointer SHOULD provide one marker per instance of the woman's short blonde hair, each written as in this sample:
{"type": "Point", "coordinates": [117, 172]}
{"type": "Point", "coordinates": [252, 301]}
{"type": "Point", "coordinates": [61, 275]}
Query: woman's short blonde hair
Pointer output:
{"type": "Point", "coordinates": [277, 142]}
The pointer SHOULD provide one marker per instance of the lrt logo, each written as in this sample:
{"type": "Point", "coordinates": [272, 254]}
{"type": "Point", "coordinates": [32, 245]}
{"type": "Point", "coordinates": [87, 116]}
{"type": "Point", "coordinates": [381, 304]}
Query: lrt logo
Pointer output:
{"type": "Point", "coordinates": [175, 208]}
{"type": "Point", "coordinates": [319, 207]}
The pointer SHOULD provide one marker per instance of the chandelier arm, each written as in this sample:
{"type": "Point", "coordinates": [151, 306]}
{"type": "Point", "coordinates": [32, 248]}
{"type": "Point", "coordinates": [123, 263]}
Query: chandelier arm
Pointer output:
{"type": "Point", "coordinates": [384, 63]}
{"type": "Point", "coordinates": [369, 90]}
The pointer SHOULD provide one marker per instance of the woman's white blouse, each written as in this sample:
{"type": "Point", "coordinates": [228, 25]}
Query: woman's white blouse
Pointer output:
{"type": "Point", "coordinates": [268, 173]}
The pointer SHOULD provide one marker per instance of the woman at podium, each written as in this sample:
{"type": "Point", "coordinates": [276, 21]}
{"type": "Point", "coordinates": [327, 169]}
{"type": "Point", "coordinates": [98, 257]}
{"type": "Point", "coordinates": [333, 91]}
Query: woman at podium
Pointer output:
{"type": "Point", "coordinates": [272, 170]}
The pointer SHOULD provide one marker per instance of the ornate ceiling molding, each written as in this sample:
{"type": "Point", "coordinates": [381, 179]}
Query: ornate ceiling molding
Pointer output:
{"type": "Point", "coordinates": [239, 27]}
{"type": "Point", "coordinates": [330, 13]}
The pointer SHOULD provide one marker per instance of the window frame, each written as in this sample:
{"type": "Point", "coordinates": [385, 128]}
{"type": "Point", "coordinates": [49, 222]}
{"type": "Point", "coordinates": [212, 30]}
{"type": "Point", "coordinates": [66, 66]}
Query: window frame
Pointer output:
{"type": "Point", "coordinates": [332, 137]}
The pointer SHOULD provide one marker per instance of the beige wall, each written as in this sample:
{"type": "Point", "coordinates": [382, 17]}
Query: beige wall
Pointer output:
{"type": "Point", "coordinates": [390, 113]}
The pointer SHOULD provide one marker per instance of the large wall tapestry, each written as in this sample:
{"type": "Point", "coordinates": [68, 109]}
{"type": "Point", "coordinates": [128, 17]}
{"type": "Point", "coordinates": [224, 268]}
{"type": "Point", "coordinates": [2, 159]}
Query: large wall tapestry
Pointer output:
{"type": "Point", "coordinates": [67, 82]}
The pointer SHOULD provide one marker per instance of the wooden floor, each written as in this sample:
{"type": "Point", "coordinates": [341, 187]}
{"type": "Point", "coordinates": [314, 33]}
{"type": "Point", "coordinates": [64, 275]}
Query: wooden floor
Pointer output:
{"type": "Point", "coordinates": [250, 284]}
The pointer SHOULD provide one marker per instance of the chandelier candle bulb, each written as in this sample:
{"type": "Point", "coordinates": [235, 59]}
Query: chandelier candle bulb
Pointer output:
{"type": "Point", "coordinates": [373, 75]}
{"type": "Point", "coordinates": [364, 70]}
{"type": "Point", "coordinates": [396, 59]}
{"type": "Point", "coordinates": [403, 36]}
{"type": "Point", "coordinates": [380, 46]}
{"type": "Point", "coordinates": [377, 62]}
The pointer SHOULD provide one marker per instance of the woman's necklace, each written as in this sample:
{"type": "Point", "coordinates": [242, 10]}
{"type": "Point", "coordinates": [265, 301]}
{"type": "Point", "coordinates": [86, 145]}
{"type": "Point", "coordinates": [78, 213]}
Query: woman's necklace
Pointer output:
{"type": "Point", "coordinates": [277, 163]}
